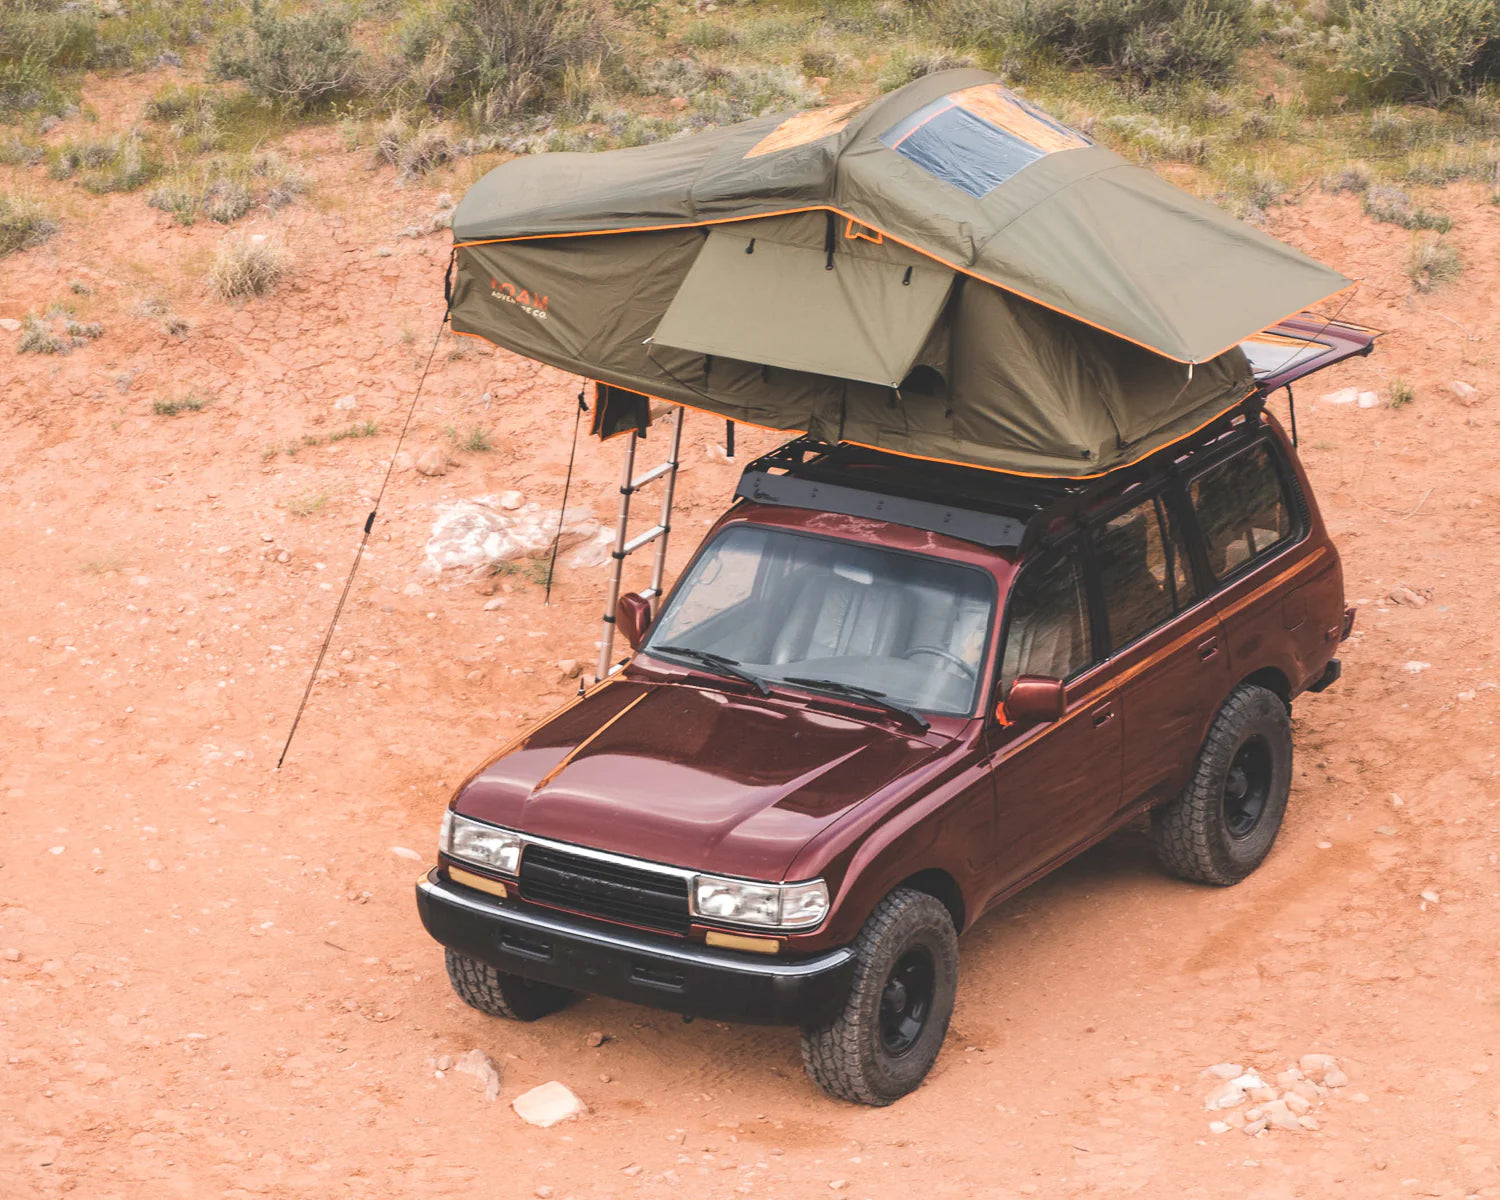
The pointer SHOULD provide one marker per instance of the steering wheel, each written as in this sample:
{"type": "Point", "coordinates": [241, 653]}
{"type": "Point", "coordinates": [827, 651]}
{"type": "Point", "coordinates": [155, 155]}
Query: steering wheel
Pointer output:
{"type": "Point", "coordinates": [947, 656]}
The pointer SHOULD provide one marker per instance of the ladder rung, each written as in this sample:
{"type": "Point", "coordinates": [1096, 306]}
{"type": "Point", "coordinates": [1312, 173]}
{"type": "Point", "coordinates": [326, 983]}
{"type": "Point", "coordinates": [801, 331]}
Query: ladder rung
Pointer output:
{"type": "Point", "coordinates": [653, 473]}
{"type": "Point", "coordinates": [640, 540]}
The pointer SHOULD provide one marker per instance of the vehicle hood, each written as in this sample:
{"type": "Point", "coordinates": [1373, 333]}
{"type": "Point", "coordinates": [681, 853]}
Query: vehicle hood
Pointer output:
{"type": "Point", "coordinates": [690, 775]}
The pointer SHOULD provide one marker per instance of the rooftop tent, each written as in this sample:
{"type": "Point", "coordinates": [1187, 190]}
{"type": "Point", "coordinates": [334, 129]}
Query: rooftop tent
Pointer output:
{"type": "Point", "coordinates": [945, 272]}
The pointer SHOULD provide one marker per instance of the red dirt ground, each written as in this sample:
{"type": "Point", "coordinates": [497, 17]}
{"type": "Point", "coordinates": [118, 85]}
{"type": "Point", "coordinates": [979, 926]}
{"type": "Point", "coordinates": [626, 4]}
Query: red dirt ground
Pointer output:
{"type": "Point", "coordinates": [222, 987]}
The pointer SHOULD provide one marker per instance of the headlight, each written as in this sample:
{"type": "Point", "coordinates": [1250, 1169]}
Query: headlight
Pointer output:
{"type": "Point", "coordinates": [484, 845]}
{"type": "Point", "coordinates": [772, 905]}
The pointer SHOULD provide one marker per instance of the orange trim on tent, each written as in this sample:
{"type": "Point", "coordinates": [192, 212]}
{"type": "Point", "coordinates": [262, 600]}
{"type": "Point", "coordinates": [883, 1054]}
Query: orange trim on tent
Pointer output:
{"type": "Point", "coordinates": [787, 212]}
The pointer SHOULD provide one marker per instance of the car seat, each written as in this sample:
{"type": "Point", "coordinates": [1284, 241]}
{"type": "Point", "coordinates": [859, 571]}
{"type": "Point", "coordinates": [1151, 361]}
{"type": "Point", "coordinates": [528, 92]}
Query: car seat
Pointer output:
{"type": "Point", "coordinates": [835, 617]}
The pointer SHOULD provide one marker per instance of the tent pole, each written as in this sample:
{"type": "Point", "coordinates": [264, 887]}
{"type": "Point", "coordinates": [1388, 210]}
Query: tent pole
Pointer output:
{"type": "Point", "coordinates": [607, 640]}
{"type": "Point", "coordinates": [659, 567]}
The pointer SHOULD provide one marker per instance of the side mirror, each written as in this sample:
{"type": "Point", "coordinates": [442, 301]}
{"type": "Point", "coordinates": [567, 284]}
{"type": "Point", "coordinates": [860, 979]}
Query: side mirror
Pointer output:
{"type": "Point", "coordinates": [1035, 699]}
{"type": "Point", "coordinates": [633, 618]}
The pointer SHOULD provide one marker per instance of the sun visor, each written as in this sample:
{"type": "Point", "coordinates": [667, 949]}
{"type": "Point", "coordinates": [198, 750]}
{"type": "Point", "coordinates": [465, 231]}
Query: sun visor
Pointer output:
{"type": "Point", "coordinates": [781, 305]}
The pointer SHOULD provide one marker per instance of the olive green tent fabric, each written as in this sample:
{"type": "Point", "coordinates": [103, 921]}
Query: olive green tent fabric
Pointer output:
{"type": "Point", "coordinates": [1072, 225]}
{"type": "Point", "coordinates": [864, 319]}
{"type": "Point", "coordinates": [946, 272]}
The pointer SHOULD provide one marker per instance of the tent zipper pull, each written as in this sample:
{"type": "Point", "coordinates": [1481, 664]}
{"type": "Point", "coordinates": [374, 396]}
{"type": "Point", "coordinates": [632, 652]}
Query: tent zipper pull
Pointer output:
{"type": "Point", "coordinates": [906, 279]}
{"type": "Point", "coordinates": [750, 249]}
{"type": "Point", "coordinates": [828, 241]}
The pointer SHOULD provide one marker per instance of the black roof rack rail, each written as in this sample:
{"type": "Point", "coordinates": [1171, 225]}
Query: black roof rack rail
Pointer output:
{"type": "Point", "coordinates": [991, 508]}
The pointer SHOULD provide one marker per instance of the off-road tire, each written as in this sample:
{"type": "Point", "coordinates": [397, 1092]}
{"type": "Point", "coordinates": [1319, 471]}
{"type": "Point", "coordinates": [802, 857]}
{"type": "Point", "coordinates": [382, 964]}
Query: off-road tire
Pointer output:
{"type": "Point", "coordinates": [1193, 835]}
{"type": "Point", "coordinates": [847, 1058]}
{"type": "Point", "coordinates": [498, 994]}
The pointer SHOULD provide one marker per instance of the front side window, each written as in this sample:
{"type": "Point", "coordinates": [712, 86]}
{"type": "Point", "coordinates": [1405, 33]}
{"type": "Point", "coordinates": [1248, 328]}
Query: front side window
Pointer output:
{"type": "Point", "coordinates": [786, 606]}
{"type": "Point", "coordinates": [1047, 624]}
{"type": "Point", "coordinates": [1142, 571]}
{"type": "Point", "coordinates": [1242, 509]}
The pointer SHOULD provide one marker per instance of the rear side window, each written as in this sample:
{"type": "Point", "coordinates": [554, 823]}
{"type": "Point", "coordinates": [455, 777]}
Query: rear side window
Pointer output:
{"type": "Point", "coordinates": [1242, 508]}
{"type": "Point", "coordinates": [1142, 572]}
{"type": "Point", "coordinates": [1047, 624]}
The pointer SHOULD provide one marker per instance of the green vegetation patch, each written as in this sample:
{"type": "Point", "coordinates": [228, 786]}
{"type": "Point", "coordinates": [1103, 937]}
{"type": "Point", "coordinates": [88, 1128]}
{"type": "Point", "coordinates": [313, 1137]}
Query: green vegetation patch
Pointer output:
{"type": "Point", "coordinates": [24, 223]}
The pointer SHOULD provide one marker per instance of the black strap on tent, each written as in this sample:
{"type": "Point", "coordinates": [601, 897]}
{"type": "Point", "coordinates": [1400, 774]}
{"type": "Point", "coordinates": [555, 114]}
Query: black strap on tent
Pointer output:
{"type": "Point", "coordinates": [567, 484]}
{"type": "Point", "coordinates": [363, 541]}
{"type": "Point", "coordinates": [830, 239]}
{"type": "Point", "coordinates": [729, 439]}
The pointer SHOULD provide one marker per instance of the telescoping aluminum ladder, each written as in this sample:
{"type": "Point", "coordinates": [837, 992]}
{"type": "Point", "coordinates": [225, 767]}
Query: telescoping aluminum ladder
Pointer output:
{"type": "Point", "coordinates": [626, 545]}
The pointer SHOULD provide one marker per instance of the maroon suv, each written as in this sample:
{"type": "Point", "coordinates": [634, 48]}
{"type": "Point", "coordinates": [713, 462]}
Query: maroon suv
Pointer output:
{"type": "Point", "coordinates": [884, 696]}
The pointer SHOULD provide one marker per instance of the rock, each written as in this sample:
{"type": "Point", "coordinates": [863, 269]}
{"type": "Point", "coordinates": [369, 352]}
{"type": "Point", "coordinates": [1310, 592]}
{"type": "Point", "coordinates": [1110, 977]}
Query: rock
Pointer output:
{"type": "Point", "coordinates": [543, 1191]}
{"type": "Point", "coordinates": [511, 500]}
{"type": "Point", "coordinates": [1262, 1095]}
{"type": "Point", "coordinates": [1218, 1127]}
{"type": "Point", "coordinates": [593, 1039]}
{"type": "Point", "coordinates": [10, 325]}
{"type": "Point", "coordinates": [1299, 1105]}
{"type": "Point", "coordinates": [1248, 1080]}
{"type": "Point", "coordinates": [1408, 596]}
{"type": "Point", "coordinates": [1309, 1122]}
{"type": "Point", "coordinates": [1315, 1066]}
{"type": "Point", "coordinates": [1342, 396]}
{"type": "Point", "coordinates": [432, 461]}
{"type": "Point", "coordinates": [1464, 391]}
{"type": "Point", "coordinates": [493, 603]}
{"type": "Point", "coordinates": [1256, 1126]}
{"type": "Point", "coordinates": [1234, 1118]}
{"type": "Point", "coordinates": [12, 955]}
{"type": "Point", "coordinates": [480, 1065]}
{"type": "Point", "coordinates": [403, 852]}
{"type": "Point", "coordinates": [344, 403]}
{"type": "Point", "coordinates": [1307, 1090]}
{"type": "Point", "coordinates": [283, 557]}
{"type": "Point", "coordinates": [1226, 1095]}
{"type": "Point", "coordinates": [382, 252]}
{"type": "Point", "coordinates": [1360, 1098]}
{"type": "Point", "coordinates": [1335, 1079]}
{"type": "Point", "coordinates": [569, 667]}
{"type": "Point", "coordinates": [548, 1104]}
{"type": "Point", "coordinates": [1415, 666]}
{"type": "Point", "coordinates": [443, 1062]}
{"type": "Point", "coordinates": [1368, 400]}
{"type": "Point", "coordinates": [1431, 896]}
{"type": "Point", "coordinates": [1225, 1070]}
{"type": "Point", "coordinates": [1279, 1116]}
{"type": "Point", "coordinates": [412, 589]}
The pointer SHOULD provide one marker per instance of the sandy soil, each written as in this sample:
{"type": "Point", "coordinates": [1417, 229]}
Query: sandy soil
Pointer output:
{"type": "Point", "coordinates": [213, 979]}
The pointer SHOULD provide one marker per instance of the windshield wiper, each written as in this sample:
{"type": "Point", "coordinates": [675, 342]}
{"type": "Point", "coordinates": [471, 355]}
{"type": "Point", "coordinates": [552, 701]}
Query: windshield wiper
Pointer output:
{"type": "Point", "coordinates": [880, 699]}
{"type": "Point", "coordinates": [724, 664]}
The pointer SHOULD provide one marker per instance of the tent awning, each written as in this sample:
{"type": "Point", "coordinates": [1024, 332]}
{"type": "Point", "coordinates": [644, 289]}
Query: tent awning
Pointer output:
{"type": "Point", "coordinates": [783, 305]}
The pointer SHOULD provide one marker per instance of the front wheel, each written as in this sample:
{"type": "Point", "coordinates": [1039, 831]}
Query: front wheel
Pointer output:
{"type": "Point", "coordinates": [498, 994]}
{"type": "Point", "coordinates": [1222, 825]}
{"type": "Point", "coordinates": [886, 1038]}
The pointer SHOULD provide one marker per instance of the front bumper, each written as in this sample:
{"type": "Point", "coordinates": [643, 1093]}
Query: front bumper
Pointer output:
{"type": "Point", "coordinates": [679, 976]}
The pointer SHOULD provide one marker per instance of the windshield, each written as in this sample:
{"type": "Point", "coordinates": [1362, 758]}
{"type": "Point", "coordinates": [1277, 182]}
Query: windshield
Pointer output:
{"type": "Point", "coordinates": [787, 606]}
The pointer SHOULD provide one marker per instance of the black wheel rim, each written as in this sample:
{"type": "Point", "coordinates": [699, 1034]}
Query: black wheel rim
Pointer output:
{"type": "Point", "coordinates": [906, 1001]}
{"type": "Point", "coordinates": [1246, 787]}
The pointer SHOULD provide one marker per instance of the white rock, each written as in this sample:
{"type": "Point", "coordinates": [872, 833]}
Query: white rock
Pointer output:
{"type": "Point", "coordinates": [1342, 396]}
{"type": "Point", "coordinates": [1218, 1127]}
{"type": "Point", "coordinates": [1369, 400]}
{"type": "Point", "coordinates": [1464, 391]}
{"type": "Point", "coordinates": [570, 667]}
{"type": "Point", "coordinates": [1248, 1080]}
{"type": "Point", "coordinates": [403, 852]}
{"type": "Point", "coordinates": [344, 403]}
{"type": "Point", "coordinates": [493, 603]}
{"type": "Point", "coordinates": [56, 849]}
{"type": "Point", "coordinates": [1415, 666]}
{"type": "Point", "coordinates": [1308, 1122]}
{"type": "Point", "coordinates": [1315, 1066]}
{"type": "Point", "coordinates": [10, 324]}
{"type": "Point", "coordinates": [511, 500]}
{"type": "Point", "coordinates": [1298, 1104]}
{"type": "Point", "coordinates": [12, 955]}
{"type": "Point", "coordinates": [1431, 896]}
{"type": "Point", "coordinates": [480, 1065]}
{"type": "Point", "coordinates": [1225, 1070]}
{"type": "Point", "coordinates": [1226, 1095]}
{"type": "Point", "coordinates": [1279, 1116]}
{"type": "Point", "coordinates": [1335, 1078]}
{"type": "Point", "coordinates": [548, 1104]}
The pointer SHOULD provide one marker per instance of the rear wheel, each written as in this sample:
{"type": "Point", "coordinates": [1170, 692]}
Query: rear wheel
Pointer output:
{"type": "Point", "coordinates": [886, 1038]}
{"type": "Point", "coordinates": [499, 994]}
{"type": "Point", "coordinates": [1223, 824]}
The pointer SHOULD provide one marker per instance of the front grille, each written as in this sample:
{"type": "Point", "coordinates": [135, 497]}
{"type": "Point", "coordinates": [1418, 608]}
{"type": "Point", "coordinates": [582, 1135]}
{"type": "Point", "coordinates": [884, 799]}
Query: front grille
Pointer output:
{"type": "Point", "coordinates": [604, 889]}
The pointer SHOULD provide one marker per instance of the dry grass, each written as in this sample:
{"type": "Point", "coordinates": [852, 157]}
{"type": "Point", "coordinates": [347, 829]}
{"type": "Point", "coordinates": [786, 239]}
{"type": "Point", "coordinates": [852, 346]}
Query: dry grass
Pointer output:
{"type": "Point", "coordinates": [23, 223]}
{"type": "Point", "coordinates": [248, 265]}
{"type": "Point", "coordinates": [413, 150]}
{"type": "Point", "coordinates": [1432, 262]}
{"type": "Point", "coordinates": [192, 402]}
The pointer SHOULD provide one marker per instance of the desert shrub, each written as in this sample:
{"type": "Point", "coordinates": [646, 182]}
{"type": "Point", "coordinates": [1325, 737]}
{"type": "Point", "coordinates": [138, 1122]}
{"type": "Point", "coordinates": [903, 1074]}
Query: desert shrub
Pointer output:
{"type": "Point", "coordinates": [502, 58]}
{"type": "Point", "coordinates": [225, 189]}
{"type": "Point", "coordinates": [907, 64]}
{"type": "Point", "coordinates": [1419, 49]}
{"type": "Point", "coordinates": [191, 113]}
{"type": "Point", "coordinates": [18, 152]}
{"type": "Point", "coordinates": [1145, 39]}
{"type": "Point", "coordinates": [724, 94]}
{"type": "Point", "coordinates": [1353, 177]}
{"type": "Point", "coordinates": [412, 149]}
{"type": "Point", "coordinates": [23, 223]}
{"type": "Point", "coordinates": [295, 61]}
{"type": "Point", "coordinates": [247, 266]}
{"type": "Point", "coordinates": [1431, 262]}
{"type": "Point", "coordinates": [55, 332]}
{"type": "Point", "coordinates": [709, 35]}
{"type": "Point", "coordinates": [171, 406]}
{"type": "Point", "coordinates": [1400, 392]}
{"type": "Point", "coordinates": [1394, 207]}
{"type": "Point", "coordinates": [1156, 139]}
{"type": "Point", "coordinates": [118, 162]}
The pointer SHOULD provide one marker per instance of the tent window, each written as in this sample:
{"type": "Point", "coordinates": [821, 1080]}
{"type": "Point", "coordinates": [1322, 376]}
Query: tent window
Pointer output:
{"type": "Point", "coordinates": [978, 138]}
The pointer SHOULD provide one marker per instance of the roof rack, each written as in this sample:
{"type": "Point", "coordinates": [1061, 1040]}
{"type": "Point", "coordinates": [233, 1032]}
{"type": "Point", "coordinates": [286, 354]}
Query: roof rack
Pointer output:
{"type": "Point", "coordinates": [971, 503]}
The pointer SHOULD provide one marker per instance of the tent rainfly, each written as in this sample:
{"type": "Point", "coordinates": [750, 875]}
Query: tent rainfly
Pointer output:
{"type": "Point", "coordinates": [945, 272]}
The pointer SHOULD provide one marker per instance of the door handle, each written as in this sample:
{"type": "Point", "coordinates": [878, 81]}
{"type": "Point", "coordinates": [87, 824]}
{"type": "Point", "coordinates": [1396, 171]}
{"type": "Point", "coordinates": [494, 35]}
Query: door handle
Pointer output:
{"type": "Point", "coordinates": [1207, 648]}
{"type": "Point", "coordinates": [1103, 714]}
